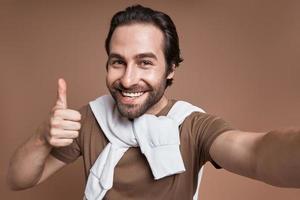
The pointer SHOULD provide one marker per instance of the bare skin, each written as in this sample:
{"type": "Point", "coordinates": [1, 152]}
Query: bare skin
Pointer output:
{"type": "Point", "coordinates": [270, 157]}
{"type": "Point", "coordinates": [33, 156]}
{"type": "Point", "coordinates": [136, 65]}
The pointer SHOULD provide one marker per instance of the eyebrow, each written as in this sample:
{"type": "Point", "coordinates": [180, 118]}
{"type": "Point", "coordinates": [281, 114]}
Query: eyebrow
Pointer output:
{"type": "Point", "coordinates": [138, 56]}
{"type": "Point", "coordinates": [146, 55]}
{"type": "Point", "coordinates": [115, 55]}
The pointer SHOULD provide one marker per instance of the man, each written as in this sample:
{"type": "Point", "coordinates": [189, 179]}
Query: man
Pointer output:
{"type": "Point", "coordinates": [143, 52]}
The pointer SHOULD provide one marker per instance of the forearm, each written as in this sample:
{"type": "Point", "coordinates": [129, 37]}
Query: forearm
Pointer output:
{"type": "Point", "coordinates": [27, 164]}
{"type": "Point", "coordinates": [31, 163]}
{"type": "Point", "coordinates": [278, 158]}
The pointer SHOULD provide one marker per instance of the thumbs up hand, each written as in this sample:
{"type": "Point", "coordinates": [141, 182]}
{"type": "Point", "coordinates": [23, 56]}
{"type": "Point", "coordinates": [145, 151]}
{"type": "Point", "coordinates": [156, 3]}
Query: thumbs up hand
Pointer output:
{"type": "Point", "coordinates": [64, 123]}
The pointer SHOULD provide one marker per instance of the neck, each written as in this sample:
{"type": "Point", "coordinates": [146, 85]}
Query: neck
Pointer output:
{"type": "Point", "coordinates": [156, 108]}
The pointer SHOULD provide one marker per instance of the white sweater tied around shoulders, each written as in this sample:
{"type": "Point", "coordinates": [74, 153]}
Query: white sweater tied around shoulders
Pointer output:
{"type": "Point", "coordinates": [157, 137]}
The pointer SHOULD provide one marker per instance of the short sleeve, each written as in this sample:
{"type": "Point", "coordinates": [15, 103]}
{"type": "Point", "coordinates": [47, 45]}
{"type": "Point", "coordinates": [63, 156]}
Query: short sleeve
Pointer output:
{"type": "Point", "coordinates": [206, 128]}
{"type": "Point", "coordinates": [71, 152]}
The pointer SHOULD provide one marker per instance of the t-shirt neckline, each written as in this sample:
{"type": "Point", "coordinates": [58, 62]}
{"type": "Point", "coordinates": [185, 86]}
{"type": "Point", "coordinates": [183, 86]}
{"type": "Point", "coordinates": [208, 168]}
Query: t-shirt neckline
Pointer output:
{"type": "Point", "coordinates": [164, 111]}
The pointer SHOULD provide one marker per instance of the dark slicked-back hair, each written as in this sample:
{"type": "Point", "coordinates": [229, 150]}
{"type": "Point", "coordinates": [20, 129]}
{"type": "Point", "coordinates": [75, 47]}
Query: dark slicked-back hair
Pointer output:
{"type": "Point", "coordinates": [140, 14]}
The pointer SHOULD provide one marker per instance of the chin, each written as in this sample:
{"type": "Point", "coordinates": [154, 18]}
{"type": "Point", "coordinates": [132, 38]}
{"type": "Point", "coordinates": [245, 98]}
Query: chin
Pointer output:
{"type": "Point", "coordinates": [131, 111]}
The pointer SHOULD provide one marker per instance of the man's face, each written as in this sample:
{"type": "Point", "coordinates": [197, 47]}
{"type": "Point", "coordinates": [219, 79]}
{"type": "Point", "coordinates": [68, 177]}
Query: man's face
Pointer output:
{"type": "Point", "coordinates": [136, 69]}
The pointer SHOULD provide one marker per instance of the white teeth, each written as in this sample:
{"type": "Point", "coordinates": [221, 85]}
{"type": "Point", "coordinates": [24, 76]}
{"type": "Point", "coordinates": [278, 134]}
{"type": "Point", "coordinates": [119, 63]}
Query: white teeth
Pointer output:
{"type": "Point", "coordinates": [132, 94]}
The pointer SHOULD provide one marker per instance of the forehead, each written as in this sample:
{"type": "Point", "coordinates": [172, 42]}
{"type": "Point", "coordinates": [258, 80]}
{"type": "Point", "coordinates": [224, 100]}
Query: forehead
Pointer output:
{"type": "Point", "coordinates": [137, 38]}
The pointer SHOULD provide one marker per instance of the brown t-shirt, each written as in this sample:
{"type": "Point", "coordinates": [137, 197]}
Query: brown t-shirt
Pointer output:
{"type": "Point", "coordinates": [133, 178]}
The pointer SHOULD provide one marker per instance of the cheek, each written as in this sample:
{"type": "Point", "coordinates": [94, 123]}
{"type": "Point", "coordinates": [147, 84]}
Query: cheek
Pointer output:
{"type": "Point", "coordinates": [112, 76]}
{"type": "Point", "coordinates": [108, 79]}
{"type": "Point", "coordinates": [153, 77]}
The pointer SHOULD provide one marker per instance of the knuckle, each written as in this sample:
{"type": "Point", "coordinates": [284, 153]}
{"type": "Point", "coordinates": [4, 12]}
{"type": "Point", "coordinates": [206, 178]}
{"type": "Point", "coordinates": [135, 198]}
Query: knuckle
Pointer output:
{"type": "Point", "coordinates": [55, 133]}
{"type": "Point", "coordinates": [53, 110]}
{"type": "Point", "coordinates": [54, 122]}
{"type": "Point", "coordinates": [52, 141]}
{"type": "Point", "coordinates": [51, 121]}
{"type": "Point", "coordinates": [52, 132]}
{"type": "Point", "coordinates": [57, 113]}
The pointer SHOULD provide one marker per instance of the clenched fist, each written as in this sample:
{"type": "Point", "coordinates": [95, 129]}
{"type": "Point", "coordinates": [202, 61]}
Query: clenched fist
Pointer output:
{"type": "Point", "coordinates": [64, 123]}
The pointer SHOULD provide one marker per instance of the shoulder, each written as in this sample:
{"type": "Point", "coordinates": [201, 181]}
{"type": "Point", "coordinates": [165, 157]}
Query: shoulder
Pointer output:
{"type": "Point", "coordinates": [204, 125]}
{"type": "Point", "coordinates": [87, 121]}
{"type": "Point", "coordinates": [195, 123]}
{"type": "Point", "coordinates": [86, 113]}
{"type": "Point", "coordinates": [205, 119]}
{"type": "Point", "coordinates": [90, 132]}
{"type": "Point", "coordinates": [85, 109]}
{"type": "Point", "coordinates": [197, 118]}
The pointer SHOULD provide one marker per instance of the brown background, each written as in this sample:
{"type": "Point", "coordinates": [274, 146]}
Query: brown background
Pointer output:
{"type": "Point", "coordinates": [241, 63]}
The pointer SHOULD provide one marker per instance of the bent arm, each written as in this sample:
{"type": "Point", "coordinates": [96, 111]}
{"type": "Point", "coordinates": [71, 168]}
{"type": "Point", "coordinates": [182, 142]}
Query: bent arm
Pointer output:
{"type": "Point", "coordinates": [271, 157]}
{"type": "Point", "coordinates": [31, 164]}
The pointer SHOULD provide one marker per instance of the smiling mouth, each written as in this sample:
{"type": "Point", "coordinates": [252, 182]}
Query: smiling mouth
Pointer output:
{"type": "Point", "coordinates": [132, 94]}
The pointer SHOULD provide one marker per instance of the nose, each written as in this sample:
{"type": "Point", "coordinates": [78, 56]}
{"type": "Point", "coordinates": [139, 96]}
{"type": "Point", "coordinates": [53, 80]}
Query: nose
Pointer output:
{"type": "Point", "coordinates": [130, 76]}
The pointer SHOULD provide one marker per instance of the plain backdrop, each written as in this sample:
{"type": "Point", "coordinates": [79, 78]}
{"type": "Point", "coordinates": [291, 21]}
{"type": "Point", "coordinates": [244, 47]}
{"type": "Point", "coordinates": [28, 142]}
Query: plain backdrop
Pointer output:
{"type": "Point", "coordinates": [241, 62]}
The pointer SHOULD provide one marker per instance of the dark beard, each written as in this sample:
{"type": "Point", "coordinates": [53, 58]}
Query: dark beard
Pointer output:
{"type": "Point", "coordinates": [134, 111]}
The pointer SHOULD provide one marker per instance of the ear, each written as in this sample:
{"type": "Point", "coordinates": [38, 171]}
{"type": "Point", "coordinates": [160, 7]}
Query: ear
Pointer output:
{"type": "Point", "coordinates": [172, 73]}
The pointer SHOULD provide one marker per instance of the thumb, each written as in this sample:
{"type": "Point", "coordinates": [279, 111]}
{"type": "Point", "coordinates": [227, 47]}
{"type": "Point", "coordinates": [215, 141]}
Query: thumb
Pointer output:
{"type": "Point", "coordinates": [61, 102]}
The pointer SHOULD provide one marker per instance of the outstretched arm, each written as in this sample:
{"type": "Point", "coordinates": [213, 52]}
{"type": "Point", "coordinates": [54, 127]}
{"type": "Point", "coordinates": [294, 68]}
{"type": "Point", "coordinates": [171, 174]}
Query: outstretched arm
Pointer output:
{"type": "Point", "coordinates": [272, 157]}
{"type": "Point", "coordinates": [32, 162]}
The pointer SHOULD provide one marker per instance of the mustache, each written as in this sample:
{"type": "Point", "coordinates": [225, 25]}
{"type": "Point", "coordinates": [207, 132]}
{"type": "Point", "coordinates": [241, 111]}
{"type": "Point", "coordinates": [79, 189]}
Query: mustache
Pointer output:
{"type": "Point", "coordinates": [133, 88]}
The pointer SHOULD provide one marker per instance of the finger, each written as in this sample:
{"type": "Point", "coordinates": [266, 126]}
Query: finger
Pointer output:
{"type": "Point", "coordinates": [67, 114]}
{"type": "Point", "coordinates": [61, 102]}
{"type": "Point", "coordinates": [63, 134]}
{"type": "Point", "coordinates": [60, 142]}
{"type": "Point", "coordinates": [65, 125]}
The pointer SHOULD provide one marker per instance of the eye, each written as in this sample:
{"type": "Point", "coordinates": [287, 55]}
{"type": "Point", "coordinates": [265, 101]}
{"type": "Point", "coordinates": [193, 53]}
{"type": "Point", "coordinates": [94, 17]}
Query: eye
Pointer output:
{"type": "Point", "coordinates": [117, 63]}
{"type": "Point", "coordinates": [145, 63]}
